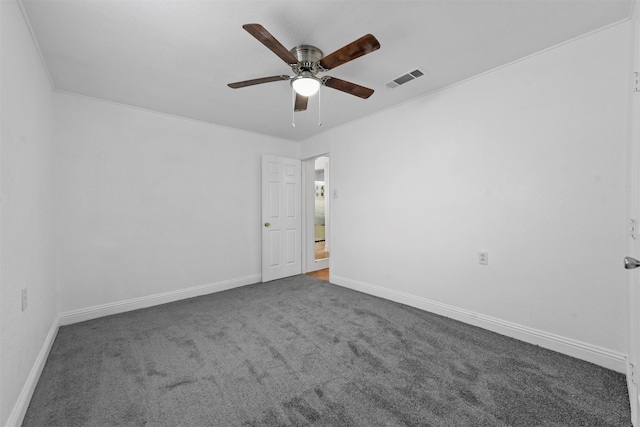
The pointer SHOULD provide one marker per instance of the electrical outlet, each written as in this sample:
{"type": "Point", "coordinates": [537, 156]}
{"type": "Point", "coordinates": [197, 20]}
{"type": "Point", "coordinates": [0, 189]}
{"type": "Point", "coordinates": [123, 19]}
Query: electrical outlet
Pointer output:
{"type": "Point", "coordinates": [24, 299]}
{"type": "Point", "coordinates": [483, 258]}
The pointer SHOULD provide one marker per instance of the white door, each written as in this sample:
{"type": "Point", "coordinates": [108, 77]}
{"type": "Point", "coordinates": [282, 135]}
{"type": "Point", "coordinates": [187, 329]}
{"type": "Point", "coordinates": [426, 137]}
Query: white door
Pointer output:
{"type": "Point", "coordinates": [281, 218]}
{"type": "Point", "coordinates": [633, 367]}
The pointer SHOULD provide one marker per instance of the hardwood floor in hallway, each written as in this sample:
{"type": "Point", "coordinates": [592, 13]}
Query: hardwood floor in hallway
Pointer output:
{"type": "Point", "coordinates": [320, 274]}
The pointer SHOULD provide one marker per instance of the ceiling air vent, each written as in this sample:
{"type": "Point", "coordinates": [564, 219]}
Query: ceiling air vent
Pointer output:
{"type": "Point", "coordinates": [405, 78]}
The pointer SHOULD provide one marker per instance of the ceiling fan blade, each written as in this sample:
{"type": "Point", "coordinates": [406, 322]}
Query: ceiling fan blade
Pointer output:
{"type": "Point", "coordinates": [238, 85]}
{"type": "Point", "coordinates": [264, 37]}
{"type": "Point", "coordinates": [348, 87]}
{"type": "Point", "coordinates": [362, 46]}
{"type": "Point", "coordinates": [301, 103]}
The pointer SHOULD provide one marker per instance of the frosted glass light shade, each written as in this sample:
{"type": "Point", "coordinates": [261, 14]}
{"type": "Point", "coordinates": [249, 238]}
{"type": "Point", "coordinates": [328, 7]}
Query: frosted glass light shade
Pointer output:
{"type": "Point", "coordinates": [306, 86]}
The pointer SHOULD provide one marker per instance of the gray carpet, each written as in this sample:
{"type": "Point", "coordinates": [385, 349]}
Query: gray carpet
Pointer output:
{"type": "Point", "coordinates": [300, 351]}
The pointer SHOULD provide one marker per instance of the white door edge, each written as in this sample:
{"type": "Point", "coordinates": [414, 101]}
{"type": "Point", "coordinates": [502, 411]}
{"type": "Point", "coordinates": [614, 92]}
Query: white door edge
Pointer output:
{"type": "Point", "coordinates": [633, 278]}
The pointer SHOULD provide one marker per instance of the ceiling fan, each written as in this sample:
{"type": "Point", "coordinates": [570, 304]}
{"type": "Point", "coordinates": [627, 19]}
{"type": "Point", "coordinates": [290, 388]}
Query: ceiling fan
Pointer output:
{"type": "Point", "coordinates": [307, 61]}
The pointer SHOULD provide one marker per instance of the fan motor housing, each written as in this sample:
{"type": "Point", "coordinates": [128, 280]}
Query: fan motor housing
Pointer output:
{"type": "Point", "coordinates": [307, 56]}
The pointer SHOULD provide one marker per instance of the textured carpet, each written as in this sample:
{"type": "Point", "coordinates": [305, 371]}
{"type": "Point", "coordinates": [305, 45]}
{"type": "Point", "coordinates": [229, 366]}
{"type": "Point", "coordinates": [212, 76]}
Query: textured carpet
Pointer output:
{"type": "Point", "coordinates": [300, 351]}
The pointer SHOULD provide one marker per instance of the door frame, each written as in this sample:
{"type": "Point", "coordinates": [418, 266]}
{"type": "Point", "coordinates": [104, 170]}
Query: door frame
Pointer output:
{"type": "Point", "coordinates": [309, 263]}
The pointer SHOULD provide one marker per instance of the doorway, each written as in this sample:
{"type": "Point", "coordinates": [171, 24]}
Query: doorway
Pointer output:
{"type": "Point", "coordinates": [317, 213]}
{"type": "Point", "coordinates": [321, 244]}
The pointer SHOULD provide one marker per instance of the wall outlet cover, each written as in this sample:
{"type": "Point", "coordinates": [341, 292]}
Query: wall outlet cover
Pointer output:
{"type": "Point", "coordinates": [483, 258]}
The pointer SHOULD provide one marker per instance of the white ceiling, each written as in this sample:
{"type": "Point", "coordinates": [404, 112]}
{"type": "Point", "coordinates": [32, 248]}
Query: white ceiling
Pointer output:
{"type": "Point", "coordinates": [176, 57]}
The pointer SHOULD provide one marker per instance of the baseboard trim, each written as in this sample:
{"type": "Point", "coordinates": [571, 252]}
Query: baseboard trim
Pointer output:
{"type": "Point", "coordinates": [95, 312]}
{"type": "Point", "coordinates": [16, 417]}
{"type": "Point", "coordinates": [580, 350]}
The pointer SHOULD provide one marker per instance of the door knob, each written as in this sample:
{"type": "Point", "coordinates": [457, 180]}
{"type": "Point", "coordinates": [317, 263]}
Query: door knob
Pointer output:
{"type": "Point", "coordinates": [266, 224]}
{"type": "Point", "coordinates": [631, 263]}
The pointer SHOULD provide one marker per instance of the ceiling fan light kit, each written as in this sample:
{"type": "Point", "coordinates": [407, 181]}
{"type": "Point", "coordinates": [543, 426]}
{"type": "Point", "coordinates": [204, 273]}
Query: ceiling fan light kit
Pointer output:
{"type": "Point", "coordinates": [306, 85]}
{"type": "Point", "coordinates": [305, 82]}
{"type": "Point", "coordinates": [307, 61]}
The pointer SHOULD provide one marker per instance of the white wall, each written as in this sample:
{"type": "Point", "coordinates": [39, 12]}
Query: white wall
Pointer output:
{"type": "Point", "coordinates": [527, 163]}
{"type": "Point", "coordinates": [26, 210]}
{"type": "Point", "coordinates": [152, 204]}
